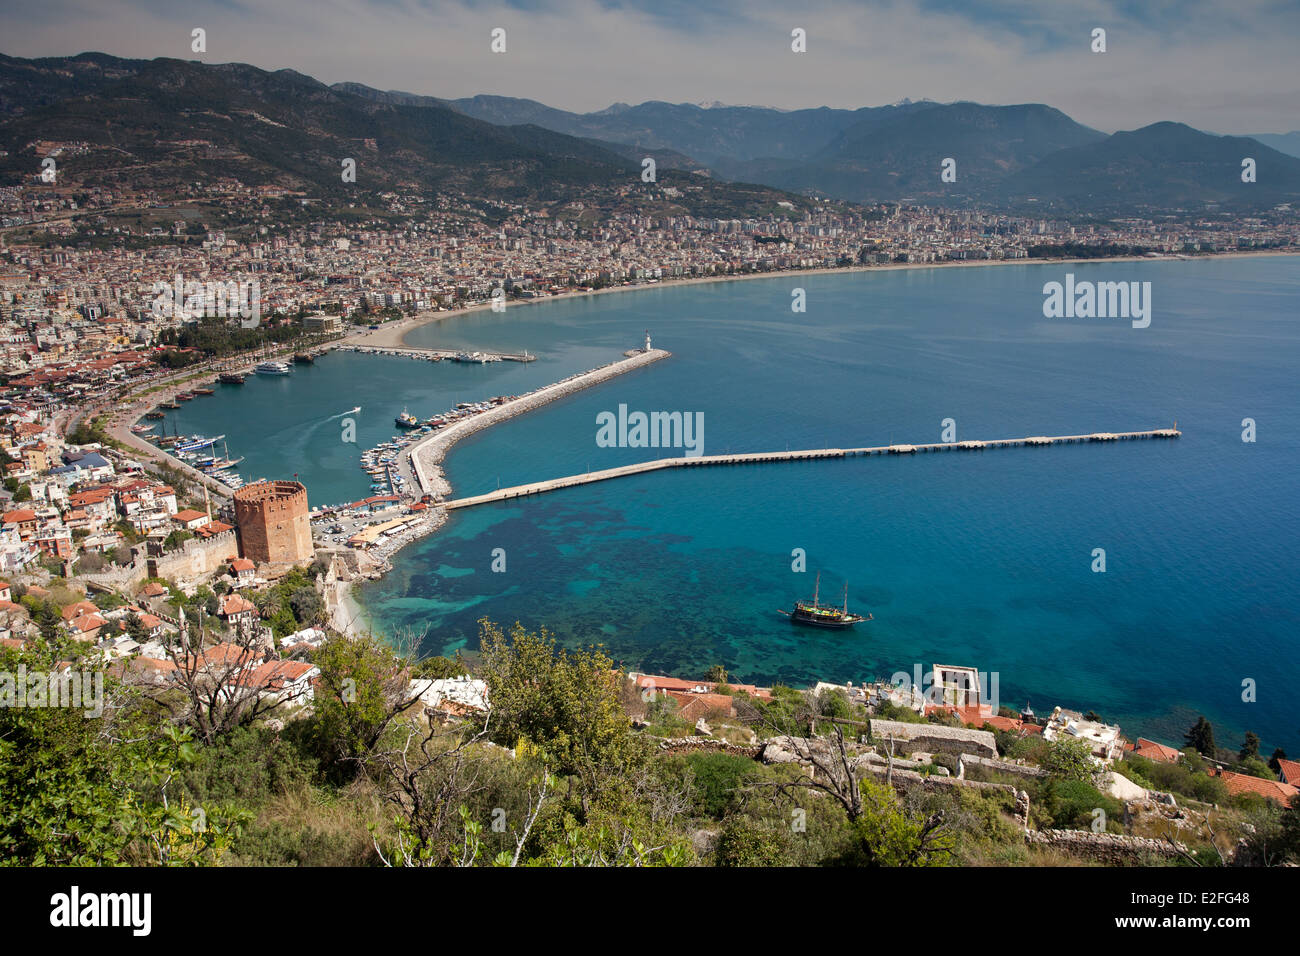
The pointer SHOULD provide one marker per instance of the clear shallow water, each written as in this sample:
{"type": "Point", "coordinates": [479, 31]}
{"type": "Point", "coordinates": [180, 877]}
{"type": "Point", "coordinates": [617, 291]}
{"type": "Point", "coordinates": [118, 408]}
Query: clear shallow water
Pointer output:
{"type": "Point", "coordinates": [980, 559]}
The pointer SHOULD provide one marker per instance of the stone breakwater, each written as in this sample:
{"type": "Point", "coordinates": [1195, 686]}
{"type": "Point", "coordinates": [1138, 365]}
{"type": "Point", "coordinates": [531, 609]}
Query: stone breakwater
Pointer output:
{"type": "Point", "coordinates": [426, 456]}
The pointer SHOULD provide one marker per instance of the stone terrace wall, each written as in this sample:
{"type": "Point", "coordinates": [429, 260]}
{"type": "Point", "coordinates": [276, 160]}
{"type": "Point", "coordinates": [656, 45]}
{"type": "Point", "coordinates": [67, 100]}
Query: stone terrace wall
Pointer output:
{"type": "Point", "coordinates": [932, 738]}
{"type": "Point", "coordinates": [1111, 848]}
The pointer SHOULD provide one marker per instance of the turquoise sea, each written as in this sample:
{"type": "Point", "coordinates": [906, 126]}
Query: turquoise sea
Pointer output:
{"type": "Point", "coordinates": [981, 559]}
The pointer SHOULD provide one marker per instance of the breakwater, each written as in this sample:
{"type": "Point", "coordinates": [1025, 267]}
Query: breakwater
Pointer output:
{"type": "Point", "coordinates": [426, 456]}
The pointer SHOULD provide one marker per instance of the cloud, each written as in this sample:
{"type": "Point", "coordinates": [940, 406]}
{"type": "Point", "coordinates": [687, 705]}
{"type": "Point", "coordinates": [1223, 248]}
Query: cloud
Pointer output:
{"type": "Point", "coordinates": [1225, 68]}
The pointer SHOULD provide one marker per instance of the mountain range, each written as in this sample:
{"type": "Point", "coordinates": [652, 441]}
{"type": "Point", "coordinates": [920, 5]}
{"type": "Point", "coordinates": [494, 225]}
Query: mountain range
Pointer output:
{"type": "Point", "coordinates": [165, 125]}
{"type": "Point", "coordinates": [172, 122]}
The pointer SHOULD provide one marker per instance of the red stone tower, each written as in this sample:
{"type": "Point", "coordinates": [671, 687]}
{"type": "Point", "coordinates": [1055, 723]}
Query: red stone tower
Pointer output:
{"type": "Point", "coordinates": [273, 523]}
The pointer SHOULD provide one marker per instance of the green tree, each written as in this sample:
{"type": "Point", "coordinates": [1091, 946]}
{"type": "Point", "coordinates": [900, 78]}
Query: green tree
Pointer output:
{"type": "Point", "coordinates": [569, 704]}
{"type": "Point", "coordinates": [135, 628]}
{"type": "Point", "coordinates": [1250, 747]}
{"type": "Point", "coordinates": [306, 604]}
{"type": "Point", "coordinates": [747, 843]}
{"type": "Point", "coordinates": [92, 792]}
{"type": "Point", "coordinates": [1201, 738]}
{"type": "Point", "coordinates": [363, 688]}
{"type": "Point", "coordinates": [889, 836]}
{"type": "Point", "coordinates": [441, 668]}
{"type": "Point", "coordinates": [1069, 758]}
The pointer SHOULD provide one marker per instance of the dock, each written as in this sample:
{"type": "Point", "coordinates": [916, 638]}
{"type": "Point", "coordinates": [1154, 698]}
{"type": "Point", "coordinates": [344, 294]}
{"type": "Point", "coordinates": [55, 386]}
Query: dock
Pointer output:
{"type": "Point", "coordinates": [555, 484]}
{"type": "Point", "coordinates": [471, 356]}
{"type": "Point", "coordinates": [426, 455]}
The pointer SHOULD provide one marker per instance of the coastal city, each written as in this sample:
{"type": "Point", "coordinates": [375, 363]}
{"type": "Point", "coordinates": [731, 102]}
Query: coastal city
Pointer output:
{"type": "Point", "coordinates": [130, 525]}
{"type": "Point", "coordinates": [357, 514]}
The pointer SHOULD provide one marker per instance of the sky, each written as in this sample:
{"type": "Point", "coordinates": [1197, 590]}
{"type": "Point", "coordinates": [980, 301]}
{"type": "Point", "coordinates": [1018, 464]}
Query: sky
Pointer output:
{"type": "Point", "coordinates": [1228, 66]}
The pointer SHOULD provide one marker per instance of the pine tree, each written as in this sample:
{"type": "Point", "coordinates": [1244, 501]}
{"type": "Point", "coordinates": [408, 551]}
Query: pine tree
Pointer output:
{"type": "Point", "coordinates": [1201, 738]}
{"type": "Point", "coordinates": [1250, 748]}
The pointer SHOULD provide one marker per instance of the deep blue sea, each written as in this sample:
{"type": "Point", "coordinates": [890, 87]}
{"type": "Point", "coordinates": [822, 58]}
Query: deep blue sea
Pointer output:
{"type": "Point", "coordinates": [980, 559]}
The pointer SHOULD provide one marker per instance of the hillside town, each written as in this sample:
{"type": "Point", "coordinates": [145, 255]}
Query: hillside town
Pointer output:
{"type": "Point", "coordinates": [79, 284]}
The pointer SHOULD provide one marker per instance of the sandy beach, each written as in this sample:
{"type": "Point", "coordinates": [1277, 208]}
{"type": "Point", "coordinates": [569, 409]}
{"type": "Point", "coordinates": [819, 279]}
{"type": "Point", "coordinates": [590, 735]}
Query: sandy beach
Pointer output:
{"type": "Point", "coordinates": [394, 334]}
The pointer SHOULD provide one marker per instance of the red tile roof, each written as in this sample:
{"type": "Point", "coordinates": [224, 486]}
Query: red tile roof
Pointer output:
{"type": "Point", "coordinates": [1290, 771]}
{"type": "Point", "coordinates": [1156, 751]}
{"type": "Point", "coordinates": [1239, 783]}
{"type": "Point", "coordinates": [235, 604]}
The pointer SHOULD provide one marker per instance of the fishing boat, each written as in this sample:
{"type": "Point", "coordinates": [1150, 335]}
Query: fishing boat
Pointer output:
{"type": "Point", "coordinates": [407, 420]}
{"type": "Point", "coordinates": [817, 614]}
{"type": "Point", "coordinates": [272, 368]}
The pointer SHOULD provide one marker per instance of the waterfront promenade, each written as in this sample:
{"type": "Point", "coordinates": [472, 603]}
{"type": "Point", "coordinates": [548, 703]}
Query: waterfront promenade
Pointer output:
{"type": "Point", "coordinates": [555, 484]}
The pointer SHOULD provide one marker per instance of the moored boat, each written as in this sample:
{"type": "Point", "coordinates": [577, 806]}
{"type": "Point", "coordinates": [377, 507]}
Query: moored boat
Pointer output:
{"type": "Point", "coordinates": [817, 614]}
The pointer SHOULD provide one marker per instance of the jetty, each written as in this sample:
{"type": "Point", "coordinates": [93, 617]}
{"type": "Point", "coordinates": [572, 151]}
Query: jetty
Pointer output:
{"type": "Point", "coordinates": [473, 356]}
{"type": "Point", "coordinates": [702, 461]}
{"type": "Point", "coordinates": [426, 456]}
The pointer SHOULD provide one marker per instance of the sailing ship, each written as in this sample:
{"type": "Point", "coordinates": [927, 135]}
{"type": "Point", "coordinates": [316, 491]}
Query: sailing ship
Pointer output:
{"type": "Point", "coordinates": [230, 378]}
{"type": "Point", "coordinates": [823, 615]}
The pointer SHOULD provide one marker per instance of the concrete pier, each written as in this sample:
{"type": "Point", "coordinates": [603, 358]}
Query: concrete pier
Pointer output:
{"type": "Point", "coordinates": [437, 355]}
{"type": "Point", "coordinates": [426, 456]}
{"type": "Point", "coordinates": [520, 491]}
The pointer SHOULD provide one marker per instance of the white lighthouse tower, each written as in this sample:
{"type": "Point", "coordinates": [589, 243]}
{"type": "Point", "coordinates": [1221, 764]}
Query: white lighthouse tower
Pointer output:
{"type": "Point", "coordinates": [647, 340]}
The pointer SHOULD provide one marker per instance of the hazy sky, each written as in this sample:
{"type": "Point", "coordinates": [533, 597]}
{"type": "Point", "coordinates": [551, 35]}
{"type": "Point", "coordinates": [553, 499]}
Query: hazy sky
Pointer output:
{"type": "Point", "coordinates": [1228, 66]}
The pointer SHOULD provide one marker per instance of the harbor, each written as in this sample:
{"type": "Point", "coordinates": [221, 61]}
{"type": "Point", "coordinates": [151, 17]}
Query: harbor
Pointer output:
{"type": "Point", "coordinates": [426, 457]}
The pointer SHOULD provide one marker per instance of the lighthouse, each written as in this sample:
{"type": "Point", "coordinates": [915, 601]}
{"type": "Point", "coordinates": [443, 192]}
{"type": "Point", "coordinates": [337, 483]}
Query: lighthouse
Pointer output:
{"type": "Point", "coordinates": [647, 340]}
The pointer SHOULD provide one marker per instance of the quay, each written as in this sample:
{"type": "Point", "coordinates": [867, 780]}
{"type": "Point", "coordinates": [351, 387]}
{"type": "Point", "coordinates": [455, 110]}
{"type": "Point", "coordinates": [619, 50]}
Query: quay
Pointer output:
{"type": "Point", "coordinates": [520, 491]}
{"type": "Point", "coordinates": [476, 356]}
